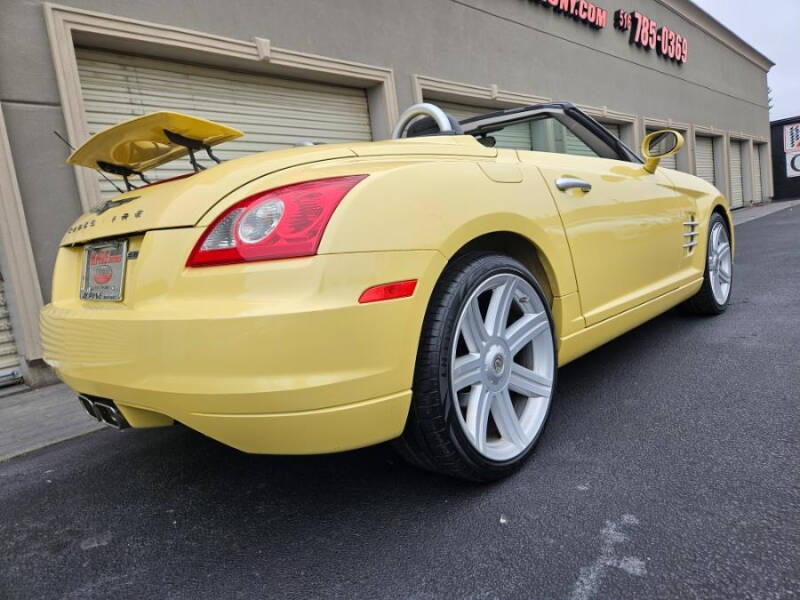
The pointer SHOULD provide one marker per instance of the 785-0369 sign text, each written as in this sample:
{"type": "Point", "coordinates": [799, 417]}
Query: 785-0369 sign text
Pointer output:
{"type": "Point", "coordinates": [647, 34]}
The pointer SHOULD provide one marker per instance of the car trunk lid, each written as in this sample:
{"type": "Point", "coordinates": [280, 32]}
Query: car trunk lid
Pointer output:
{"type": "Point", "coordinates": [182, 202]}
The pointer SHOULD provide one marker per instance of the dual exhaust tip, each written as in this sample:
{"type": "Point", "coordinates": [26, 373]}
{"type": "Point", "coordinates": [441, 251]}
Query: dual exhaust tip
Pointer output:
{"type": "Point", "coordinates": [104, 410]}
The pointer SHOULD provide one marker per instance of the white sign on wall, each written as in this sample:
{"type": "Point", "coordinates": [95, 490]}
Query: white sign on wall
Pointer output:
{"type": "Point", "coordinates": [791, 146]}
{"type": "Point", "coordinates": [793, 165]}
{"type": "Point", "coordinates": [791, 138]}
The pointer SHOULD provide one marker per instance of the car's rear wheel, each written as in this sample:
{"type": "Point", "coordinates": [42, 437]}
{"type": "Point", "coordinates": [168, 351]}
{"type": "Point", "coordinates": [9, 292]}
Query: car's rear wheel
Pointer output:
{"type": "Point", "coordinates": [715, 294]}
{"type": "Point", "coordinates": [485, 373]}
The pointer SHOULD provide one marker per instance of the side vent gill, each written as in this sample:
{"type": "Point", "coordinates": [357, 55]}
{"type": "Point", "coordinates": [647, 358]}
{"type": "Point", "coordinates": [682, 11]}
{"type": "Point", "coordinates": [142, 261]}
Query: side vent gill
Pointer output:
{"type": "Point", "coordinates": [690, 234]}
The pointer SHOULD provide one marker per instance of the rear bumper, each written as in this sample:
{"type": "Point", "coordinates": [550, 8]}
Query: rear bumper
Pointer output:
{"type": "Point", "coordinates": [344, 427]}
{"type": "Point", "coordinates": [270, 357]}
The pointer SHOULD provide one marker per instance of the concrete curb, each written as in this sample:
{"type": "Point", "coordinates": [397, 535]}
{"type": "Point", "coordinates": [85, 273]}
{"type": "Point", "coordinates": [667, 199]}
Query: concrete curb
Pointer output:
{"type": "Point", "coordinates": [752, 213]}
{"type": "Point", "coordinates": [38, 418]}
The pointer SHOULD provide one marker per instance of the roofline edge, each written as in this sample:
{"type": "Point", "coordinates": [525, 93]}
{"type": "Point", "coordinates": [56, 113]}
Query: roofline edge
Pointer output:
{"type": "Point", "coordinates": [685, 8]}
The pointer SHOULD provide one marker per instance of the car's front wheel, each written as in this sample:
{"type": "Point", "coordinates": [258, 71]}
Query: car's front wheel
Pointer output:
{"type": "Point", "coordinates": [715, 294]}
{"type": "Point", "coordinates": [485, 372]}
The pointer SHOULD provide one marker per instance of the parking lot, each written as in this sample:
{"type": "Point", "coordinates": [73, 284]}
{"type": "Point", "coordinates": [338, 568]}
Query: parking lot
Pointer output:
{"type": "Point", "coordinates": [670, 469]}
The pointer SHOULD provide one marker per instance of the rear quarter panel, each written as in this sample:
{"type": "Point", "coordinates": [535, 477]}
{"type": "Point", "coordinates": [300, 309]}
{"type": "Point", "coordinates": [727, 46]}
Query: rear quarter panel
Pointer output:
{"type": "Point", "coordinates": [442, 206]}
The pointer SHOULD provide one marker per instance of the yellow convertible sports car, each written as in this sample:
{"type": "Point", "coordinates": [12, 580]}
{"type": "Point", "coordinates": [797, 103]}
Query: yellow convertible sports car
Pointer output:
{"type": "Point", "coordinates": [423, 289]}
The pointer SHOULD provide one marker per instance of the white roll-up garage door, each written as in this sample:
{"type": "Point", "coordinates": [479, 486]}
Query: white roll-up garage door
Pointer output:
{"type": "Point", "coordinates": [704, 154]}
{"type": "Point", "coordinates": [669, 162]}
{"type": "Point", "coordinates": [517, 137]}
{"type": "Point", "coordinates": [272, 112]}
{"type": "Point", "coordinates": [737, 185]}
{"type": "Point", "coordinates": [757, 174]}
{"type": "Point", "coordinates": [9, 359]}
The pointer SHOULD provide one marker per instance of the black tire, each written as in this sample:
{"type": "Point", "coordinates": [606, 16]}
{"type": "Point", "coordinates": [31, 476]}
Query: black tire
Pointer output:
{"type": "Point", "coordinates": [434, 438]}
{"type": "Point", "coordinates": [704, 302]}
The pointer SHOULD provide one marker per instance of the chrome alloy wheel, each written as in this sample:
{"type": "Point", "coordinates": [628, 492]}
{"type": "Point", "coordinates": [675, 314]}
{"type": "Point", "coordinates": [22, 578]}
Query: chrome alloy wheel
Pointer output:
{"type": "Point", "coordinates": [720, 265]}
{"type": "Point", "coordinates": [503, 366]}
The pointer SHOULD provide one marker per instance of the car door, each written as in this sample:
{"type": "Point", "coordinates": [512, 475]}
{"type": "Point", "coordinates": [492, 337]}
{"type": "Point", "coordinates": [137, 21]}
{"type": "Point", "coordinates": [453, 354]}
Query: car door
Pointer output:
{"type": "Point", "coordinates": [625, 226]}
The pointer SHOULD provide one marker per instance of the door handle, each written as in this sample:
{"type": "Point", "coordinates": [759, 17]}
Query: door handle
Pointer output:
{"type": "Point", "coordinates": [569, 183]}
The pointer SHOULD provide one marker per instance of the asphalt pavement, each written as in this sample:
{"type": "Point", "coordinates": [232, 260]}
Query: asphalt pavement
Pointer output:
{"type": "Point", "coordinates": [670, 469]}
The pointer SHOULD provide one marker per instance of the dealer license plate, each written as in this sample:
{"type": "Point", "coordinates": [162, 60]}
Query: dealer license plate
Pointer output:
{"type": "Point", "coordinates": [104, 270]}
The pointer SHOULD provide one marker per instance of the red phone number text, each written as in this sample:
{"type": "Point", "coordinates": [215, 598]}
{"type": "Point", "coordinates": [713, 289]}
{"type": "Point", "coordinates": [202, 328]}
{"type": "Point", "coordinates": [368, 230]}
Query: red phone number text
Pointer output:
{"type": "Point", "coordinates": [646, 33]}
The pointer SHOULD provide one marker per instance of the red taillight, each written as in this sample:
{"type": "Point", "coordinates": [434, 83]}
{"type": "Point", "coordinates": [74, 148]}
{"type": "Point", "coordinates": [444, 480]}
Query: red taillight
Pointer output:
{"type": "Point", "coordinates": [389, 291]}
{"type": "Point", "coordinates": [285, 222]}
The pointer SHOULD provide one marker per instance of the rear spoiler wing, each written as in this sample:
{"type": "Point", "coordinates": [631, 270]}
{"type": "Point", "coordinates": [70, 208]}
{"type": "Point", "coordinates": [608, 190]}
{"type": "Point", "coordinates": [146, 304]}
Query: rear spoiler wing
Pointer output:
{"type": "Point", "coordinates": [146, 142]}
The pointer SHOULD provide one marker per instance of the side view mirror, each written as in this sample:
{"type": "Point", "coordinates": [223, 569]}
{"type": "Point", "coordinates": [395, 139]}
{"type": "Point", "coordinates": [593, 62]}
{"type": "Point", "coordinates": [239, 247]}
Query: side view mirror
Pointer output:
{"type": "Point", "coordinates": [658, 145]}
